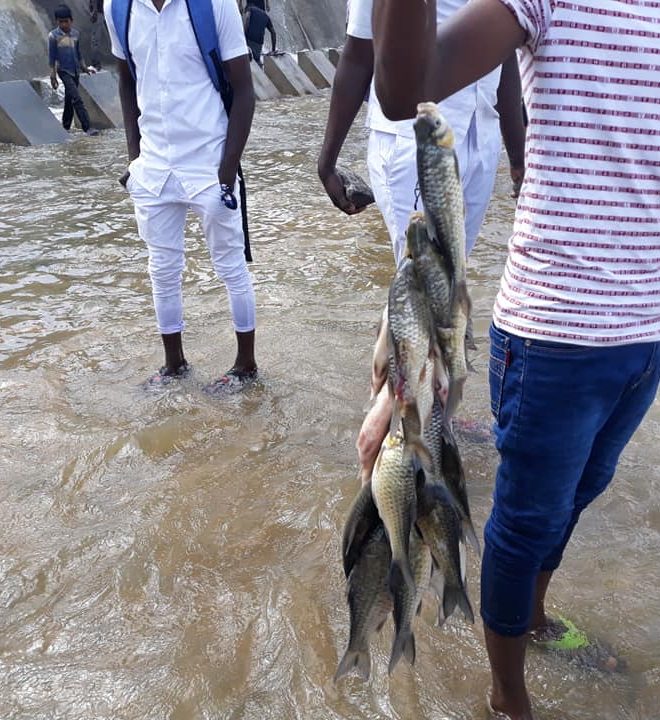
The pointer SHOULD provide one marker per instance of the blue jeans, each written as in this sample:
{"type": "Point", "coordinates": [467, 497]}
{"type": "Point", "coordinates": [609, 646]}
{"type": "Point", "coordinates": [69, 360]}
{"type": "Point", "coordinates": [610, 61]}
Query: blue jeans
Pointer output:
{"type": "Point", "coordinates": [563, 414]}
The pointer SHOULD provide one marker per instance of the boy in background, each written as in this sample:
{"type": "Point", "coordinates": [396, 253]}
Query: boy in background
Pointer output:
{"type": "Point", "coordinates": [65, 60]}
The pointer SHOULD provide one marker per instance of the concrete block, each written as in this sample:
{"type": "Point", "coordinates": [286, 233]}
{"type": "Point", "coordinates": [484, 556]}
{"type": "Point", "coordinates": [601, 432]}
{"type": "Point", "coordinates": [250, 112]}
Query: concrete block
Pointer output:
{"type": "Point", "coordinates": [25, 119]}
{"type": "Point", "coordinates": [317, 67]}
{"type": "Point", "coordinates": [263, 87]}
{"type": "Point", "coordinates": [101, 97]}
{"type": "Point", "coordinates": [333, 55]}
{"type": "Point", "coordinates": [44, 90]}
{"type": "Point", "coordinates": [287, 77]}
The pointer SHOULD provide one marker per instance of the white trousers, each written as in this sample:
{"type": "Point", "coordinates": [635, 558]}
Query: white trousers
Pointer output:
{"type": "Point", "coordinates": [161, 224]}
{"type": "Point", "coordinates": [392, 162]}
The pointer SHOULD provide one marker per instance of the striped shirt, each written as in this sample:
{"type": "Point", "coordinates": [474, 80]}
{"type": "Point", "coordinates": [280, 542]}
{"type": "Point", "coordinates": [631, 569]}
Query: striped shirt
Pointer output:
{"type": "Point", "coordinates": [584, 259]}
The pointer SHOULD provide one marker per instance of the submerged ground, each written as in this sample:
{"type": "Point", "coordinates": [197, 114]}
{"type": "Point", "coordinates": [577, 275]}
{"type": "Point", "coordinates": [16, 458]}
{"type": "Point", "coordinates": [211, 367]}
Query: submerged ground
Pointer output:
{"type": "Point", "coordinates": [172, 556]}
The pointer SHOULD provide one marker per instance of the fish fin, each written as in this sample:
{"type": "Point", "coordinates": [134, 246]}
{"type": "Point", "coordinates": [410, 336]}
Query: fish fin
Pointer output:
{"type": "Point", "coordinates": [466, 606]}
{"type": "Point", "coordinates": [436, 240]}
{"type": "Point", "coordinates": [403, 646]}
{"type": "Point", "coordinates": [470, 534]}
{"type": "Point", "coordinates": [360, 659]}
{"type": "Point", "coordinates": [400, 574]}
{"type": "Point", "coordinates": [462, 298]}
{"type": "Point", "coordinates": [456, 596]}
{"type": "Point", "coordinates": [419, 608]}
{"type": "Point", "coordinates": [454, 396]}
{"type": "Point", "coordinates": [395, 422]}
{"type": "Point", "coordinates": [419, 454]}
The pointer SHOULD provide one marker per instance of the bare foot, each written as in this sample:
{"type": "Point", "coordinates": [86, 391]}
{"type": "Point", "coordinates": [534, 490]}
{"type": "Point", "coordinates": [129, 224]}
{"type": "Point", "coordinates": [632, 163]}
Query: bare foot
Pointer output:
{"type": "Point", "coordinates": [373, 432]}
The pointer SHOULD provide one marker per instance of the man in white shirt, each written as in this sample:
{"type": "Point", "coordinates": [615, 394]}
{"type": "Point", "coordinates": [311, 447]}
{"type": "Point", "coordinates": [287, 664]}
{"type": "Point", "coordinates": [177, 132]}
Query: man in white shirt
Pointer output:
{"type": "Point", "coordinates": [575, 342]}
{"type": "Point", "coordinates": [184, 153]}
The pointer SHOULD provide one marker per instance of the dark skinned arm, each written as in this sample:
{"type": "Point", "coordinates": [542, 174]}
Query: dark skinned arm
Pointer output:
{"type": "Point", "coordinates": [130, 112]}
{"type": "Point", "coordinates": [239, 75]}
{"type": "Point", "coordinates": [509, 106]}
{"type": "Point", "coordinates": [352, 79]}
{"type": "Point", "coordinates": [432, 69]}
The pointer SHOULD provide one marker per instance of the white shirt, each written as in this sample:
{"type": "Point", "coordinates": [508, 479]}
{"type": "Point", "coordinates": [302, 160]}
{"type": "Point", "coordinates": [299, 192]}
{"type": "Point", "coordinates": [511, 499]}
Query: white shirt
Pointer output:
{"type": "Point", "coordinates": [584, 260]}
{"type": "Point", "coordinates": [183, 123]}
{"type": "Point", "coordinates": [474, 101]}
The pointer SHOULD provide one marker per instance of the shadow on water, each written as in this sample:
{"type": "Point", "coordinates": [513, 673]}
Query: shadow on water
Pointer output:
{"type": "Point", "coordinates": [170, 556]}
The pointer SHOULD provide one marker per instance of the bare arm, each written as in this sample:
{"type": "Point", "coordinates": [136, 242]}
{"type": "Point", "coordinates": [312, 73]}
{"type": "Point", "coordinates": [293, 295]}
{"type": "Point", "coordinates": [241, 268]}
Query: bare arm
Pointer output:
{"type": "Point", "coordinates": [239, 76]}
{"type": "Point", "coordinates": [352, 79]}
{"type": "Point", "coordinates": [129, 108]}
{"type": "Point", "coordinates": [411, 72]}
{"type": "Point", "coordinates": [509, 106]}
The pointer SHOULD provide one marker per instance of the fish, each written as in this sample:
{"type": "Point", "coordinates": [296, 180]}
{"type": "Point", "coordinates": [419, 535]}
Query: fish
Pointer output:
{"type": "Point", "coordinates": [440, 188]}
{"type": "Point", "coordinates": [356, 189]}
{"type": "Point", "coordinates": [452, 343]}
{"type": "Point", "coordinates": [432, 270]}
{"type": "Point", "coordinates": [393, 487]}
{"type": "Point", "coordinates": [448, 469]}
{"type": "Point", "coordinates": [369, 601]}
{"type": "Point", "coordinates": [381, 357]}
{"type": "Point", "coordinates": [442, 195]}
{"type": "Point", "coordinates": [439, 525]}
{"type": "Point", "coordinates": [412, 342]}
{"type": "Point", "coordinates": [362, 520]}
{"type": "Point", "coordinates": [453, 474]}
{"type": "Point", "coordinates": [407, 602]}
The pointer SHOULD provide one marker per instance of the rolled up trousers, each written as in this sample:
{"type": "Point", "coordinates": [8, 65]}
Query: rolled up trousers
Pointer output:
{"type": "Point", "coordinates": [161, 221]}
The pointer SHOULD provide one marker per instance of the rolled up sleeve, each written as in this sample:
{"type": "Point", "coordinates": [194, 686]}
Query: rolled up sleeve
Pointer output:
{"type": "Point", "coordinates": [533, 16]}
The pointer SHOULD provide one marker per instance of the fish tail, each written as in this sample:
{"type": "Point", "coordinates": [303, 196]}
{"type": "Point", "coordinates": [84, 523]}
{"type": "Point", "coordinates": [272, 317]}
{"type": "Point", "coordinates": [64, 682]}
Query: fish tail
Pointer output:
{"type": "Point", "coordinates": [470, 534]}
{"type": "Point", "coordinates": [400, 574]}
{"type": "Point", "coordinates": [403, 646]}
{"type": "Point", "coordinates": [457, 596]}
{"type": "Point", "coordinates": [360, 659]}
{"type": "Point", "coordinates": [462, 298]}
{"type": "Point", "coordinates": [417, 449]}
{"type": "Point", "coordinates": [454, 396]}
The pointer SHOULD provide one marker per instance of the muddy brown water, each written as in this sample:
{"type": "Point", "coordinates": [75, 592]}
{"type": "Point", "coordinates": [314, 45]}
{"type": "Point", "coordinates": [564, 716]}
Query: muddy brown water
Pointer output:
{"type": "Point", "coordinates": [168, 556]}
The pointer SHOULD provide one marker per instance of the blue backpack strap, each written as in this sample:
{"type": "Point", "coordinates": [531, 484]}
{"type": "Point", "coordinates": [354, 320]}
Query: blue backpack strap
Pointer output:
{"type": "Point", "coordinates": [202, 20]}
{"type": "Point", "coordinates": [121, 17]}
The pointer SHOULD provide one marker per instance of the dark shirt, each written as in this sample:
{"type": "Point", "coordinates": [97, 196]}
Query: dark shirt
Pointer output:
{"type": "Point", "coordinates": [257, 25]}
{"type": "Point", "coordinates": [64, 48]}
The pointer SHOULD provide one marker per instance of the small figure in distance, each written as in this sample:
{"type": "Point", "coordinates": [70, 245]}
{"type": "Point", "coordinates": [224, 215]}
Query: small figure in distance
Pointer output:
{"type": "Point", "coordinates": [66, 61]}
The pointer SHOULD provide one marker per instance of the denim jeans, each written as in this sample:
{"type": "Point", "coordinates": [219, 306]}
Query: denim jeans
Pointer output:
{"type": "Point", "coordinates": [563, 414]}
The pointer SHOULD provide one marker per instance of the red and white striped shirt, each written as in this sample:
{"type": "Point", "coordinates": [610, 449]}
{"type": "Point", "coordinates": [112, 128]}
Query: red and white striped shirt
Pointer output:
{"type": "Point", "coordinates": [584, 259]}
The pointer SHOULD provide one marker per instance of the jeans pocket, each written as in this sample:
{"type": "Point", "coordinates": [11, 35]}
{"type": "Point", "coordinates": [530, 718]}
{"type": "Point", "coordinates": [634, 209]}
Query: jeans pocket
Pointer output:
{"type": "Point", "coordinates": [497, 364]}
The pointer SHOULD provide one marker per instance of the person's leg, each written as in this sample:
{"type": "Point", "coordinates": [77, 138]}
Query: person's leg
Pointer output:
{"type": "Point", "coordinates": [478, 158]}
{"type": "Point", "coordinates": [161, 224]}
{"type": "Point", "coordinates": [255, 50]}
{"type": "Point", "coordinates": [223, 230]}
{"type": "Point", "coordinates": [642, 363]}
{"type": "Point", "coordinates": [393, 174]}
{"type": "Point", "coordinates": [79, 105]}
{"type": "Point", "coordinates": [67, 115]}
{"type": "Point", "coordinates": [550, 402]}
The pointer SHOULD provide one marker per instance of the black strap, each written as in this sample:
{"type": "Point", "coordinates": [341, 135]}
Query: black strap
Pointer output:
{"type": "Point", "coordinates": [227, 95]}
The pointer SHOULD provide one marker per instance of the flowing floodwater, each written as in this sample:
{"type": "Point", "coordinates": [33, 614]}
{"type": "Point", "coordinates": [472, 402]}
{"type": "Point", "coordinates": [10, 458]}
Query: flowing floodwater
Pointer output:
{"type": "Point", "coordinates": [170, 556]}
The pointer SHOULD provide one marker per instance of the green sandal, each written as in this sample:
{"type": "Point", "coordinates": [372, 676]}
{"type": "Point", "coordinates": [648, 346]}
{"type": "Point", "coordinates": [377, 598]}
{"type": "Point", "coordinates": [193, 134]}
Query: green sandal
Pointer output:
{"type": "Point", "coordinates": [571, 638]}
{"type": "Point", "coordinates": [575, 645]}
